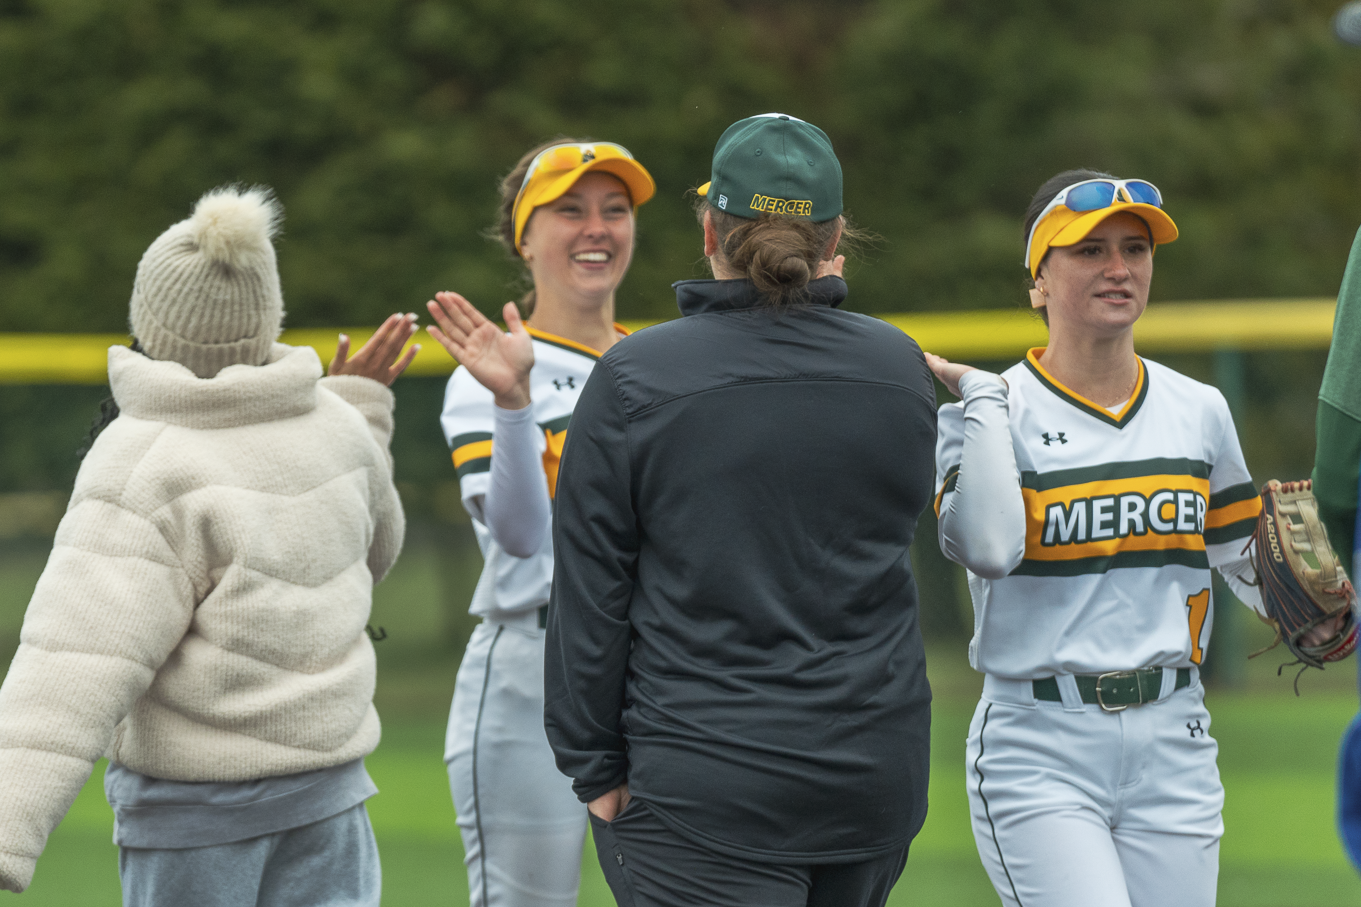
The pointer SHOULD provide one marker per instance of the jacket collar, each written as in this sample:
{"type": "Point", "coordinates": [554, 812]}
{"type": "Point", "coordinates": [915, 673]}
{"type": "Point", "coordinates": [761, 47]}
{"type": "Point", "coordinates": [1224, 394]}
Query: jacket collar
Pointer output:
{"type": "Point", "coordinates": [164, 391]}
{"type": "Point", "coordinates": [695, 297]}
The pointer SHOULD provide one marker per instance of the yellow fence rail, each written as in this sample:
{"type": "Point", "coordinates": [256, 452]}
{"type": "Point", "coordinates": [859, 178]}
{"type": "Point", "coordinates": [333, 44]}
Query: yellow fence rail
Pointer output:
{"type": "Point", "coordinates": [1185, 327]}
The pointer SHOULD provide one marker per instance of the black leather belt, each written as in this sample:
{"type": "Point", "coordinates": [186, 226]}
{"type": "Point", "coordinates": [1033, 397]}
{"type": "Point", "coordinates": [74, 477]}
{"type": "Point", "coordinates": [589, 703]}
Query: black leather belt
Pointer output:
{"type": "Point", "coordinates": [1114, 691]}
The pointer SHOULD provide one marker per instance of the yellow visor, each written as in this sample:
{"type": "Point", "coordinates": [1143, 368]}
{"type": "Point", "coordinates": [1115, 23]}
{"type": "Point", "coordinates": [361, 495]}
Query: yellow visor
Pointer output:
{"type": "Point", "coordinates": [555, 170]}
{"type": "Point", "coordinates": [1062, 227]}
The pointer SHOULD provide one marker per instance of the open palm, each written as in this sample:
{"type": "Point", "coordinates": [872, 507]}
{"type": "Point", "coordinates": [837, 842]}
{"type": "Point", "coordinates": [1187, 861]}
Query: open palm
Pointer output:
{"type": "Point", "coordinates": [499, 359]}
{"type": "Point", "coordinates": [381, 357]}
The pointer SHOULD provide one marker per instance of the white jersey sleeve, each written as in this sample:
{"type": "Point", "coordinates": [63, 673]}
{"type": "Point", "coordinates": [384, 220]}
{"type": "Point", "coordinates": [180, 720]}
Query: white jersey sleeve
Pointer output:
{"type": "Point", "coordinates": [979, 502]}
{"type": "Point", "coordinates": [516, 507]}
{"type": "Point", "coordinates": [467, 423]}
{"type": "Point", "coordinates": [502, 484]}
{"type": "Point", "coordinates": [1231, 516]}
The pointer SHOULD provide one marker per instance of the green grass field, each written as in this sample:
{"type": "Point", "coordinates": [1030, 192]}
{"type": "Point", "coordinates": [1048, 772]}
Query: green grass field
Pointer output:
{"type": "Point", "coordinates": [1276, 756]}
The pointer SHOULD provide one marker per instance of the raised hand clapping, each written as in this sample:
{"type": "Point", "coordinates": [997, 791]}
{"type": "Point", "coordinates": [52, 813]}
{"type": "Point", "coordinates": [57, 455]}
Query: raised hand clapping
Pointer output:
{"type": "Point", "coordinates": [499, 360]}
{"type": "Point", "coordinates": [380, 358]}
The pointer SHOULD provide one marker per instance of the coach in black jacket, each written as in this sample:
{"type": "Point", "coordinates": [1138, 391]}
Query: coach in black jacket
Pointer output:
{"type": "Point", "coordinates": [735, 677]}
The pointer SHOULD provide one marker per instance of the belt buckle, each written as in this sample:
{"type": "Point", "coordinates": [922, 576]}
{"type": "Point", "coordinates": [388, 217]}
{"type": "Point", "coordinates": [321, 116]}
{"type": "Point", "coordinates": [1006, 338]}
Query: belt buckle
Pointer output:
{"type": "Point", "coordinates": [1101, 702]}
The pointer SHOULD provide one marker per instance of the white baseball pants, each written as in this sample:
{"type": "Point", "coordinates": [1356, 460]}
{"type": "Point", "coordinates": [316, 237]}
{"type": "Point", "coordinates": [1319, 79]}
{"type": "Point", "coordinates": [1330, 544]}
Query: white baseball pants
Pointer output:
{"type": "Point", "coordinates": [1076, 807]}
{"type": "Point", "coordinates": [522, 826]}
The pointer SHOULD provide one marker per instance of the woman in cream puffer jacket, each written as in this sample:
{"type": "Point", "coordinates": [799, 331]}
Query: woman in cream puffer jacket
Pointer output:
{"type": "Point", "coordinates": [202, 615]}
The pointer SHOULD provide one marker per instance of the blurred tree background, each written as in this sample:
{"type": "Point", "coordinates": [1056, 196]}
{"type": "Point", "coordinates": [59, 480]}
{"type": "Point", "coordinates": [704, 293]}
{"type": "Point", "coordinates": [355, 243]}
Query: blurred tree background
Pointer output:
{"type": "Point", "coordinates": [384, 126]}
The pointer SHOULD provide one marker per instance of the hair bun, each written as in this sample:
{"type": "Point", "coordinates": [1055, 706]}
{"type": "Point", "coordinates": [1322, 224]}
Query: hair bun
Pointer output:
{"type": "Point", "coordinates": [793, 271]}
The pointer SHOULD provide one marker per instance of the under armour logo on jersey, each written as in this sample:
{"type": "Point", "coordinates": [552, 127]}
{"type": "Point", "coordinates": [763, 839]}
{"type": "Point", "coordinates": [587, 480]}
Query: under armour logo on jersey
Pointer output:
{"type": "Point", "coordinates": [1196, 728]}
{"type": "Point", "coordinates": [569, 382]}
{"type": "Point", "coordinates": [1059, 438]}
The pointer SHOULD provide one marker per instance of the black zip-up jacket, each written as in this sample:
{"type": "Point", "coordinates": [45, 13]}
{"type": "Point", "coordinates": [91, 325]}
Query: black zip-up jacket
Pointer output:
{"type": "Point", "coordinates": [733, 623]}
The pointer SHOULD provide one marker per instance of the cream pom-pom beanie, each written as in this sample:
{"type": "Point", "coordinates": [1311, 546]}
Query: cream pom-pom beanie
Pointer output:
{"type": "Point", "coordinates": [207, 291]}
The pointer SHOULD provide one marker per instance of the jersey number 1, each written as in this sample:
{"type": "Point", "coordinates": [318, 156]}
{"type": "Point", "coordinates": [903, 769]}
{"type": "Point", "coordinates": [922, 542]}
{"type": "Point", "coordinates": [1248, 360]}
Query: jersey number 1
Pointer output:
{"type": "Point", "coordinates": [1197, 607]}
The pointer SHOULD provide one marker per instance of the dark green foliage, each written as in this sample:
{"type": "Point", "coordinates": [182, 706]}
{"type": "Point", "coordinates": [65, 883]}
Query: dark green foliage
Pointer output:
{"type": "Point", "coordinates": [384, 125]}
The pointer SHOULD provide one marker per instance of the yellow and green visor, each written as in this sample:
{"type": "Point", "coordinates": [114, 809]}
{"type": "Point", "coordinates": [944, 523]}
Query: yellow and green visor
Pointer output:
{"type": "Point", "coordinates": [557, 168]}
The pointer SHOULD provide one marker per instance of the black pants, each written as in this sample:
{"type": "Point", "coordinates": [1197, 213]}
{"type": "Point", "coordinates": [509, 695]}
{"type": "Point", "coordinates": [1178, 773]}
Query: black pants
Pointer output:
{"type": "Point", "coordinates": [649, 865]}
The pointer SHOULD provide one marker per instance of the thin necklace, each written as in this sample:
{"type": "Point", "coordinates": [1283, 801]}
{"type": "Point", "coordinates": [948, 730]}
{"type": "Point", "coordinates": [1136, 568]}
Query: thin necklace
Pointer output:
{"type": "Point", "coordinates": [1129, 391]}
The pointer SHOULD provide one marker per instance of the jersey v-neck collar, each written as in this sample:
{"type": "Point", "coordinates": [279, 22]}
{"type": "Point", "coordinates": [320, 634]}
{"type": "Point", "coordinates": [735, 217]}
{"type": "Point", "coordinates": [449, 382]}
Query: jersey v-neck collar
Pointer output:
{"type": "Point", "coordinates": [564, 343]}
{"type": "Point", "coordinates": [1095, 410]}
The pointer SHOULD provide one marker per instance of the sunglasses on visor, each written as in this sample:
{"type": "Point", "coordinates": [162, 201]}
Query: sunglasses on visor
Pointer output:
{"type": "Point", "coordinates": [561, 158]}
{"type": "Point", "coordinates": [1093, 195]}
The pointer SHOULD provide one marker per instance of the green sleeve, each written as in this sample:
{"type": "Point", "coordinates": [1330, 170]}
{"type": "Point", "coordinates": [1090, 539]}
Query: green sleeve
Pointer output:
{"type": "Point", "coordinates": [1335, 475]}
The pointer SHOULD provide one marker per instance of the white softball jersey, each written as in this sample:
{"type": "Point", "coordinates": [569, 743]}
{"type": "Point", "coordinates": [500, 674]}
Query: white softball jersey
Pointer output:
{"type": "Point", "coordinates": [561, 367]}
{"type": "Point", "coordinates": [1125, 512]}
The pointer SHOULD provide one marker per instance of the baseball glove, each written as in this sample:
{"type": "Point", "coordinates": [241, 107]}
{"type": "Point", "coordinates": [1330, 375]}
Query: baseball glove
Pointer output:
{"type": "Point", "coordinates": [1303, 583]}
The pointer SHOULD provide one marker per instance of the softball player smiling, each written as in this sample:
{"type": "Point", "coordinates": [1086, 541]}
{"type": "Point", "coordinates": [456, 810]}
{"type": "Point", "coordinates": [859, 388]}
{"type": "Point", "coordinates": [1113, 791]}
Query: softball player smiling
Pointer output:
{"type": "Point", "coordinates": [568, 212]}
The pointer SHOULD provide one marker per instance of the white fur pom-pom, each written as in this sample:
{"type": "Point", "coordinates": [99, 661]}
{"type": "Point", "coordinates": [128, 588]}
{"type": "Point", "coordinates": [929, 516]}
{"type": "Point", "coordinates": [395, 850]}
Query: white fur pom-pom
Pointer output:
{"type": "Point", "coordinates": [232, 225]}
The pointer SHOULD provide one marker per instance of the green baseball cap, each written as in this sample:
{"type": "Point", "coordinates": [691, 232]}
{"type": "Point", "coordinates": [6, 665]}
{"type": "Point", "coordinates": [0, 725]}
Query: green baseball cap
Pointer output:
{"type": "Point", "coordinates": [776, 164]}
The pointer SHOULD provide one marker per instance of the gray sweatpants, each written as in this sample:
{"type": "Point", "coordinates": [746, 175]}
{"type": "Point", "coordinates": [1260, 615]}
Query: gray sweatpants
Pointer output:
{"type": "Point", "coordinates": [331, 863]}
